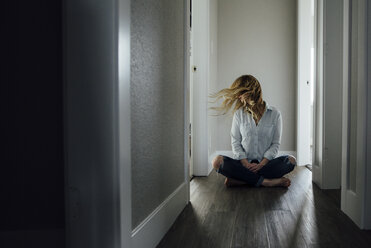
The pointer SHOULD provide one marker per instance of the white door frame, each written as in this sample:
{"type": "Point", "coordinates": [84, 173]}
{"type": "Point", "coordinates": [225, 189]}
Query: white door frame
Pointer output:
{"type": "Point", "coordinates": [200, 87]}
{"type": "Point", "coordinates": [83, 167]}
{"type": "Point", "coordinates": [124, 126]}
{"type": "Point", "coordinates": [318, 132]}
{"type": "Point", "coordinates": [201, 166]}
{"type": "Point", "coordinates": [187, 95]}
{"type": "Point", "coordinates": [303, 82]}
{"type": "Point", "coordinates": [367, 216]}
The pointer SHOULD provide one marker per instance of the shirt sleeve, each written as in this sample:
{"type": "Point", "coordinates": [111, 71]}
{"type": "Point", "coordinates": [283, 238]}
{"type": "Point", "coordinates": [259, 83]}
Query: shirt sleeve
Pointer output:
{"type": "Point", "coordinates": [236, 138]}
{"type": "Point", "coordinates": [272, 151]}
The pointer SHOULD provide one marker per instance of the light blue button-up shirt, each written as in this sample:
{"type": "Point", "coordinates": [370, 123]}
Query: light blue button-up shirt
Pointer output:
{"type": "Point", "coordinates": [253, 141]}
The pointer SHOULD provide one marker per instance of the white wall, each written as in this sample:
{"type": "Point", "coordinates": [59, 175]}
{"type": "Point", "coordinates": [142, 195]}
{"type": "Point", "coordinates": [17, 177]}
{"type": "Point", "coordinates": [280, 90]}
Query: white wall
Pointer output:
{"type": "Point", "coordinates": [157, 86]}
{"type": "Point", "coordinates": [157, 106]}
{"type": "Point", "coordinates": [258, 37]}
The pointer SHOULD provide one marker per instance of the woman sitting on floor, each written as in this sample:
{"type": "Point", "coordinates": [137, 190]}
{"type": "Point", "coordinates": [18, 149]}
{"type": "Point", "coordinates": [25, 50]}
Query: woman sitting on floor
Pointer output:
{"type": "Point", "coordinates": [256, 136]}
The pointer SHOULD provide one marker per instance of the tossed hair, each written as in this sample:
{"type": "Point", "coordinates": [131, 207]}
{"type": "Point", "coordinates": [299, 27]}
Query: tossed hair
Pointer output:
{"type": "Point", "coordinates": [248, 87]}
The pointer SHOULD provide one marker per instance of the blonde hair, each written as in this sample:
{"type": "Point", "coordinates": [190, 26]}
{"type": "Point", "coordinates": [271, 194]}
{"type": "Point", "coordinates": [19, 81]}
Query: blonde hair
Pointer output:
{"type": "Point", "coordinates": [246, 85]}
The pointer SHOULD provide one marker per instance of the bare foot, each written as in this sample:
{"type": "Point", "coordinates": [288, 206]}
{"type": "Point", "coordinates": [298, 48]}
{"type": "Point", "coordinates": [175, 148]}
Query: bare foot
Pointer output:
{"type": "Point", "coordinates": [217, 161]}
{"type": "Point", "coordinates": [292, 160]}
{"type": "Point", "coordinates": [230, 182]}
{"type": "Point", "coordinates": [277, 182]}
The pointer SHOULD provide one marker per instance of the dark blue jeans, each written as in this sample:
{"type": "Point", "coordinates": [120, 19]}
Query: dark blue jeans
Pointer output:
{"type": "Point", "coordinates": [275, 168]}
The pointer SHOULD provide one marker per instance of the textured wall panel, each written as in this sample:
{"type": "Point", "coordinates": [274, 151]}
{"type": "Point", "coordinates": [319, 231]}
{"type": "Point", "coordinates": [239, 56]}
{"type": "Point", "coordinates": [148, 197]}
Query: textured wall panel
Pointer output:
{"type": "Point", "coordinates": [156, 103]}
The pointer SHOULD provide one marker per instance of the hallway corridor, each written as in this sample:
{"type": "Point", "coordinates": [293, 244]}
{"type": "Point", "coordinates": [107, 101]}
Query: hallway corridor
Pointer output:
{"type": "Point", "coordinates": [301, 216]}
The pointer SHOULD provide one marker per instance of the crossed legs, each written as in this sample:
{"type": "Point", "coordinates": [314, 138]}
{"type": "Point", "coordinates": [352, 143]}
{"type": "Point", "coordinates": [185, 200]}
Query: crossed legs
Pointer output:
{"type": "Point", "coordinates": [271, 175]}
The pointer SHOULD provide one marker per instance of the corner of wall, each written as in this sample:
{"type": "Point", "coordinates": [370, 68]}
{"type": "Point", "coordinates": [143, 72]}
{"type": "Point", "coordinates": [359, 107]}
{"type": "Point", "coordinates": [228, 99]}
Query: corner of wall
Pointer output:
{"type": "Point", "coordinates": [153, 228]}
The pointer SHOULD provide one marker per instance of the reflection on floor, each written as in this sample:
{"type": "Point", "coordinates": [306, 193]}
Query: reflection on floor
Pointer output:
{"type": "Point", "coordinates": [301, 216]}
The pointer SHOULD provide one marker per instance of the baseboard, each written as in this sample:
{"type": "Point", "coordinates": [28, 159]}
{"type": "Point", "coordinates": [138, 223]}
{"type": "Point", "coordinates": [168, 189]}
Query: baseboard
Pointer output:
{"type": "Point", "coordinates": [150, 231]}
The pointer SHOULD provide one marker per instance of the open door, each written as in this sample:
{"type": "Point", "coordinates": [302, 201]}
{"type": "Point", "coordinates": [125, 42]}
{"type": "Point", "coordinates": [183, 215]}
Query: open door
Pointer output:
{"type": "Point", "coordinates": [328, 125]}
{"type": "Point", "coordinates": [355, 193]}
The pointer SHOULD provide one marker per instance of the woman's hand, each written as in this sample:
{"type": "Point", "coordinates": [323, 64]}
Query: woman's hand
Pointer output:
{"type": "Point", "coordinates": [260, 165]}
{"type": "Point", "coordinates": [253, 166]}
{"type": "Point", "coordinates": [256, 167]}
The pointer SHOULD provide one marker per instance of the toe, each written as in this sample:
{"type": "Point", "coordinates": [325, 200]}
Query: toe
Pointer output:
{"type": "Point", "coordinates": [286, 182]}
{"type": "Point", "coordinates": [292, 159]}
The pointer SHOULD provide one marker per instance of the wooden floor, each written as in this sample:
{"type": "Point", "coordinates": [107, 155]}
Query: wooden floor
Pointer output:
{"type": "Point", "coordinates": [301, 216]}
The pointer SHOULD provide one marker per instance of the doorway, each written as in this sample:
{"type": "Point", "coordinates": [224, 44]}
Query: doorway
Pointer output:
{"type": "Point", "coordinates": [217, 58]}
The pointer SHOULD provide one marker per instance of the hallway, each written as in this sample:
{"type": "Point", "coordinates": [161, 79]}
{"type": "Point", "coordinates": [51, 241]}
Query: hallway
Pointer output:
{"type": "Point", "coordinates": [301, 216]}
{"type": "Point", "coordinates": [98, 111]}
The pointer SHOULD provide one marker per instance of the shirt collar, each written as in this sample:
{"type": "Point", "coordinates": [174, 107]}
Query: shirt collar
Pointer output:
{"type": "Point", "coordinates": [268, 106]}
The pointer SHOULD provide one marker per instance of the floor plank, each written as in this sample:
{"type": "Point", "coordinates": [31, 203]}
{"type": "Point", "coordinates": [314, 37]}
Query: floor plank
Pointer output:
{"type": "Point", "coordinates": [300, 216]}
{"type": "Point", "coordinates": [248, 229]}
